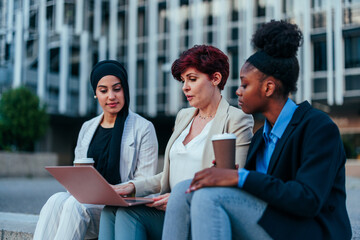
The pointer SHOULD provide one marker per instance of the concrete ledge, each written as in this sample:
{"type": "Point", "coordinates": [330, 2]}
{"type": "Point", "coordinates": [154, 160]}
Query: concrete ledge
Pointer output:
{"type": "Point", "coordinates": [17, 226]}
{"type": "Point", "coordinates": [353, 168]}
{"type": "Point", "coordinates": [26, 164]}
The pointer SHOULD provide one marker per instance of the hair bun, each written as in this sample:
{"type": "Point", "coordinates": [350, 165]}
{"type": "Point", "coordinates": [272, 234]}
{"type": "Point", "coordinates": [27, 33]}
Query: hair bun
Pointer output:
{"type": "Point", "coordinates": [278, 39]}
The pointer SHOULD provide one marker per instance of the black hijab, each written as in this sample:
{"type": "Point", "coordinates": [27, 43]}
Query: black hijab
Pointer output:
{"type": "Point", "coordinates": [110, 168]}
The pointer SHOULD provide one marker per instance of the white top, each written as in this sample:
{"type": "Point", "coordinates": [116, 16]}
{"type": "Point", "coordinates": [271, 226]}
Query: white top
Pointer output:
{"type": "Point", "coordinates": [186, 160]}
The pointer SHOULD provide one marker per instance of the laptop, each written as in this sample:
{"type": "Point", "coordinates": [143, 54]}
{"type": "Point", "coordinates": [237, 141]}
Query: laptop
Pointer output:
{"type": "Point", "coordinates": [87, 185]}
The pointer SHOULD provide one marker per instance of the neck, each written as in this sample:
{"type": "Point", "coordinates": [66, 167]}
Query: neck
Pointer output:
{"type": "Point", "coordinates": [210, 109]}
{"type": "Point", "coordinates": [274, 109]}
{"type": "Point", "coordinates": [108, 120]}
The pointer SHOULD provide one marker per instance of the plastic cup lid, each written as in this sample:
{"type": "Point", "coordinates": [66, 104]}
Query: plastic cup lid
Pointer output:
{"type": "Point", "coordinates": [84, 160]}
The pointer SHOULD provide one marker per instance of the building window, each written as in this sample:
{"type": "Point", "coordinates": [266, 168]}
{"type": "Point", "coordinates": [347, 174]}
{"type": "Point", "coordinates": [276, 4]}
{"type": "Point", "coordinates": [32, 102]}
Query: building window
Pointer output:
{"type": "Point", "coordinates": [260, 8]}
{"type": "Point", "coordinates": [352, 51]}
{"type": "Point", "coordinates": [69, 14]}
{"type": "Point", "coordinates": [319, 60]}
{"type": "Point", "coordinates": [319, 19]}
{"type": "Point", "coordinates": [352, 82]}
{"type": "Point", "coordinates": [320, 85]}
{"type": "Point", "coordinates": [351, 15]}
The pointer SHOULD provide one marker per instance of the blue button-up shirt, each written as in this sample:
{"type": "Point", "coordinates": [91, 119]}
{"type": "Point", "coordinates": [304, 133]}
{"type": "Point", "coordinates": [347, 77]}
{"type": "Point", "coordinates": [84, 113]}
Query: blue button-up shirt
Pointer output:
{"type": "Point", "coordinates": [271, 137]}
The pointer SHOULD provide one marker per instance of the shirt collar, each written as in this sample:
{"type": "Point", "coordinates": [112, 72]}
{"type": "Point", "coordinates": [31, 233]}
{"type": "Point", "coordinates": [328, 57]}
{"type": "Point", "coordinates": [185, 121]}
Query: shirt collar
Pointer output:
{"type": "Point", "coordinates": [281, 122]}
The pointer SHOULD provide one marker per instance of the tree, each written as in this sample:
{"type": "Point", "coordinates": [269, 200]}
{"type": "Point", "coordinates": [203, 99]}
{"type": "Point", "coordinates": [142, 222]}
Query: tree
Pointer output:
{"type": "Point", "coordinates": [22, 119]}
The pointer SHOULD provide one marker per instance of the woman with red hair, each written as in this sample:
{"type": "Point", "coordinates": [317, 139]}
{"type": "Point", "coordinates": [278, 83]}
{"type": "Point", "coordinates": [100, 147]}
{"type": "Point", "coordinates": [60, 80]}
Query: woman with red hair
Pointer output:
{"type": "Point", "coordinates": [203, 71]}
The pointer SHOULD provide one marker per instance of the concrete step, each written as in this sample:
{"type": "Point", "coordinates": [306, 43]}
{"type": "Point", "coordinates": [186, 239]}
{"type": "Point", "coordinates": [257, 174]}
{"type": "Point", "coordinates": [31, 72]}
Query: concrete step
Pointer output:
{"type": "Point", "coordinates": [17, 226]}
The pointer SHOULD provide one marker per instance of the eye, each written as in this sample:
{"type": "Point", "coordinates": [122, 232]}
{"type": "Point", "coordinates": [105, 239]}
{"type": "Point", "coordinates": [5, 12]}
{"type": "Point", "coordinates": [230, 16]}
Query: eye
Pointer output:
{"type": "Point", "coordinates": [118, 89]}
{"type": "Point", "coordinates": [103, 90]}
{"type": "Point", "coordinates": [193, 79]}
{"type": "Point", "coordinates": [243, 86]}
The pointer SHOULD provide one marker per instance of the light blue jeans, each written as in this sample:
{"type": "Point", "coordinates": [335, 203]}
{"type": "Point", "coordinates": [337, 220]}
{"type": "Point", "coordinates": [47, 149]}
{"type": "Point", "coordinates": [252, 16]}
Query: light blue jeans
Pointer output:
{"type": "Point", "coordinates": [213, 213]}
{"type": "Point", "coordinates": [132, 223]}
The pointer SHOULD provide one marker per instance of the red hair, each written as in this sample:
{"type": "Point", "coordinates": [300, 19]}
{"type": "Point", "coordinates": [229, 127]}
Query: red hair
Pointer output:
{"type": "Point", "coordinates": [204, 58]}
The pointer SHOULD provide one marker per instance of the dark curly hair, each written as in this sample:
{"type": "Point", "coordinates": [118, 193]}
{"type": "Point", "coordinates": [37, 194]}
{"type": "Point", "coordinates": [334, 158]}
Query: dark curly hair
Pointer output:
{"type": "Point", "coordinates": [206, 59]}
{"type": "Point", "coordinates": [277, 43]}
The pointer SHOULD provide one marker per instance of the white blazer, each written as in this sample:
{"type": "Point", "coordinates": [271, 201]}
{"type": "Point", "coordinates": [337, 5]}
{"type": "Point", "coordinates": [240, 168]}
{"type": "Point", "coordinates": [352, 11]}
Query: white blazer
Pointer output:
{"type": "Point", "coordinates": [227, 119]}
{"type": "Point", "coordinates": [139, 146]}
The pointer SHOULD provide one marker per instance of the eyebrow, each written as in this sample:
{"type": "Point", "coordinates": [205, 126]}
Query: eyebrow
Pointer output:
{"type": "Point", "coordinates": [112, 85]}
{"type": "Point", "coordinates": [191, 75]}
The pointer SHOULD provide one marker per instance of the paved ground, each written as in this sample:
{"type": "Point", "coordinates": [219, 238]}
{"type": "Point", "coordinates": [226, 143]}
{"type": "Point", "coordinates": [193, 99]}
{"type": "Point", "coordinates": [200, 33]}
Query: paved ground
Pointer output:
{"type": "Point", "coordinates": [28, 195]}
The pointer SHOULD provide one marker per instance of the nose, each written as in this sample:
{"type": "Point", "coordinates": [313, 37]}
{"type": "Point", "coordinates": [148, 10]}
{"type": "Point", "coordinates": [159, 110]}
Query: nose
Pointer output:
{"type": "Point", "coordinates": [185, 86]}
{"type": "Point", "coordinates": [239, 91]}
{"type": "Point", "coordinates": [111, 94]}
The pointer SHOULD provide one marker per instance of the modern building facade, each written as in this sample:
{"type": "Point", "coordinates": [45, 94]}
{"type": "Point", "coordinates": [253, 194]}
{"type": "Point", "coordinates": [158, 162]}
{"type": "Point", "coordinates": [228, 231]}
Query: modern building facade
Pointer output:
{"type": "Point", "coordinates": [50, 46]}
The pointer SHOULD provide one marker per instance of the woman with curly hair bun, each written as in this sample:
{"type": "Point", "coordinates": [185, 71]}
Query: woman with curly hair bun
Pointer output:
{"type": "Point", "coordinates": [293, 183]}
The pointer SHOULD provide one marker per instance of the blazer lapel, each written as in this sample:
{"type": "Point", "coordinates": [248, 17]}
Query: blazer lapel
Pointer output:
{"type": "Point", "coordinates": [128, 147]}
{"type": "Point", "coordinates": [89, 134]}
{"type": "Point", "coordinates": [298, 115]}
{"type": "Point", "coordinates": [182, 124]}
{"type": "Point", "coordinates": [217, 127]}
{"type": "Point", "coordinates": [183, 121]}
{"type": "Point", "coordinates": [279, 146]}
{"type": "Point", "coordinates": [256, 144]}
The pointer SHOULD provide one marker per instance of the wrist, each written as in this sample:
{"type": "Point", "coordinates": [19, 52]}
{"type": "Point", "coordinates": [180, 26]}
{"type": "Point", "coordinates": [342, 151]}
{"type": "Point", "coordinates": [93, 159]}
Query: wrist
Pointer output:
{"type": "Point", "coordinates": [235, 178]}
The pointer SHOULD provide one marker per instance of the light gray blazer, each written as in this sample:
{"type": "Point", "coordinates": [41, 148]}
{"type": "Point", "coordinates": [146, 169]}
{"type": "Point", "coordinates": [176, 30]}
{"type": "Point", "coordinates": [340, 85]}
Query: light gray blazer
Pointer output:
{"type": "Point", "coordinates": [139, 146]}
{"type": "Point", "coordinates": [228, 119]}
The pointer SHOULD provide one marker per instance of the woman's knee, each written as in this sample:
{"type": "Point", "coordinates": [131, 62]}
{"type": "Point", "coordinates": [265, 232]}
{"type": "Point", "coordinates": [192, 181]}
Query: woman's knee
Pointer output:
{"type": "Point", "coordinates": [108, 211]}
{"type": "Point", "coordinates": [178, 192]}
{"type": "Point", "coordinates": [56, 201]}
{"type": "Point", "coordinates": [202, 194]}
{"type": "Point", "coordinates": [73, 206]}
{"type": "Point", "coordinates": [181, 187]}
{"type": "Point", "coordinates": [178, 196]}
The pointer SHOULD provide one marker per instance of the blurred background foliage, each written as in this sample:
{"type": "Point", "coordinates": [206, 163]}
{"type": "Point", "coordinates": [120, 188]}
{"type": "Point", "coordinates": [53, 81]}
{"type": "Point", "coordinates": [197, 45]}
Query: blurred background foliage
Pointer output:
{"type": "Point", "coordinates": [23, 120]}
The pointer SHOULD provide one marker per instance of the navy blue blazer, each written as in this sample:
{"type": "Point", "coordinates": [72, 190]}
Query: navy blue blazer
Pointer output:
{"type": "Point", "coordinates": [305, 183]}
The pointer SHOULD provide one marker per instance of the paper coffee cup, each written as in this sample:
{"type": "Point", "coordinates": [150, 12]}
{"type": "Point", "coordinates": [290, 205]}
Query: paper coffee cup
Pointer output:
{"type": "Point", "coordinates": [224, 150]}
{"type": "Point", "coordinates": [84, 161]}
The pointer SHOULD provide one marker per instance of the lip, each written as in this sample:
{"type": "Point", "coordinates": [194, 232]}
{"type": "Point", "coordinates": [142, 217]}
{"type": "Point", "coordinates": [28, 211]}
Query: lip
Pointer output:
{"type": "Point", "coordinates": [240, 103]}
{"type": "Point", "coordinates": [112, 105]}
{"type": "Point", "coordinates": [189, 97]}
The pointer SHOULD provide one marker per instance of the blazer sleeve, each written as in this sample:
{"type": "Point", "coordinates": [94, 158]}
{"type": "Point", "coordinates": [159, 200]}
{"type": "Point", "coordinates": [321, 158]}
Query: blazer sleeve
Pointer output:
{"type": "Point", "coordinates": [318, 152]}
{"type": "Point", "coordinates": [81, 151]}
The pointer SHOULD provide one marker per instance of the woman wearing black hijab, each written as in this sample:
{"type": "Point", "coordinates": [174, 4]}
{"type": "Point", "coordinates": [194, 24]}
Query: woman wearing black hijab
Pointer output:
{"type": "Point", "coordinates": [122, 144]}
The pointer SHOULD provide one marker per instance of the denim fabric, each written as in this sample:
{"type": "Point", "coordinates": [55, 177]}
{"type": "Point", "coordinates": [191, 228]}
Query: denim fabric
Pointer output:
{"type": "Point", "coordinates": [213, 213]}
{"type": "Point", "coordinates": [132, 223]}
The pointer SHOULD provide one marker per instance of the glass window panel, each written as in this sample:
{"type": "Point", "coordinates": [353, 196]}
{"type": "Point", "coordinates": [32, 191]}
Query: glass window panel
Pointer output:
{"type": "Point", "coordinates": [320, 56]}
{"type": "Point", "coordinates": [320, 85]}
{"type": "Point", "coordinates": [352, 82]}
{"type": "Point", "coordinates": [352, 51]}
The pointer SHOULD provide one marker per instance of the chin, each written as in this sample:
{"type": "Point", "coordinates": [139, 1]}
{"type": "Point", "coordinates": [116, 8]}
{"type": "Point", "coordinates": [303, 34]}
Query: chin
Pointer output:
{"type": "Point", "coordinates": [193, 104]}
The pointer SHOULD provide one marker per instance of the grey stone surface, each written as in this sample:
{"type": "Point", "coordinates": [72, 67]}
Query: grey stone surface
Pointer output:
{"type": "Point", "coordinates": [26, 195]}
{"type": "Point", "coordinates": [21, 196]}
{"type": "Point", "coordinates": [26, 164]}
{"type": "Point", "coordinates": [18, 222]}
{"type": "Point", "coordinates": [353, 204]}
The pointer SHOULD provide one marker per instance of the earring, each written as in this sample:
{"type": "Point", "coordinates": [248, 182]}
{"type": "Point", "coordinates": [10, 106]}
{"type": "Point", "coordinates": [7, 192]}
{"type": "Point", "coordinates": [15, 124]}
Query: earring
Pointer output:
{"type": "Point", "coordinates": [95, 97]}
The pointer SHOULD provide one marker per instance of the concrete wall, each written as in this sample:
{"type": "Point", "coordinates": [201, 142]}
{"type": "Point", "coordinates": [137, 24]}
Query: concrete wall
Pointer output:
{"type": "Point", "coordinates": [26, 164]}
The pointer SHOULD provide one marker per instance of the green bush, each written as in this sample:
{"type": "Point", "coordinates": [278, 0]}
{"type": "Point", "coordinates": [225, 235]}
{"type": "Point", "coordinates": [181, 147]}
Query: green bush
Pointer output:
{"type": "Point", "coordinates": [22, 120]}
